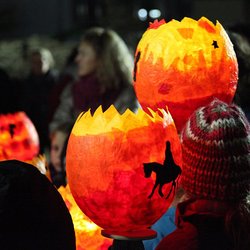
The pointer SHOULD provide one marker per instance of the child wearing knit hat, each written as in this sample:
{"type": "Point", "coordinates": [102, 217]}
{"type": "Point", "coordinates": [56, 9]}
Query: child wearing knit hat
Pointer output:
{"type": "Point", "coordinates": [216, 179]}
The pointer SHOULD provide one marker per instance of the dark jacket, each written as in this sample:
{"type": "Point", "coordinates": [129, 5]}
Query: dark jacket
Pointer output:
{"type": "Point", "coordinates": [35, 103]}
{"type": "Point", "coordinates": [198, 227]}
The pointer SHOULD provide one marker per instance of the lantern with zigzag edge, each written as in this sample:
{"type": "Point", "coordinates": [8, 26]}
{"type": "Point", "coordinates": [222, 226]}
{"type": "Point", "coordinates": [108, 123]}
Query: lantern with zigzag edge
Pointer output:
{"type": "Point", "coordinates": [18, 137]}
{"type": "Point", "coordinates": [105, 160]}
{"type": "Point", "coordinates": [184, 65]}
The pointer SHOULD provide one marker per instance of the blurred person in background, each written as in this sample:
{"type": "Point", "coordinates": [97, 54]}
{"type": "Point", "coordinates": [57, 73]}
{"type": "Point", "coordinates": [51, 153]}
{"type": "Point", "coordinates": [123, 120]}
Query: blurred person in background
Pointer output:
{"type": "Point", "coordinates": [36, 92]}
{"type": "Point", "coordinates": [105, 67]}
{"type": "Point", "coordinates": [57, 166]}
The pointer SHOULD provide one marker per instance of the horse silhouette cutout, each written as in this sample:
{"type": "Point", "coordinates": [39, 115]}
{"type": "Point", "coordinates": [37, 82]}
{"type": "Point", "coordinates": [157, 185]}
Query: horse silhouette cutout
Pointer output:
{"type": "Point", "coordinates": [165, 173]}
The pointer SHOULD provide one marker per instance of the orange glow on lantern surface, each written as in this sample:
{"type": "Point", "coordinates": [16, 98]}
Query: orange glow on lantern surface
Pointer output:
{"type": "Point", "coordinates": [18, 137]}
{"type": "Point", "coordinates": [104, 164]}
{"type": "Point", "coordinates": [183, 65]}
{"type": "Point", "coordinates": [88, 235]}
{"type": "Point", "coordinates": [41, 164]}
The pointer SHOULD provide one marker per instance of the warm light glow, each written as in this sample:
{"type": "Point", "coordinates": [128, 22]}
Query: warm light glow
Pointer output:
{"type": "Point", "coordinates": [104, 164]}
{"type": "Point", "coordinates": [183, 65]}
{"type": "Point", "coordinates": [18, 137]}
{"type": "Point", "coordinates": [88, 234]}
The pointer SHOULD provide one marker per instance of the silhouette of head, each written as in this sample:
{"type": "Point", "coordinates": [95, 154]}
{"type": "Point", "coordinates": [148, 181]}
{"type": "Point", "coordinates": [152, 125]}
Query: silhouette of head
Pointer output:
{"type": "Point", "coordinates": [33, 215]}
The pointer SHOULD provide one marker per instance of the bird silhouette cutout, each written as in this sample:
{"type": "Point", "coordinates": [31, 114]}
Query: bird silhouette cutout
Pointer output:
{"type": "Point", "coordinates": [168, 172]}
{"type": "Point", "coordinates": [215, 44]}
{"type": "Point", "coordinates": [11, 129]}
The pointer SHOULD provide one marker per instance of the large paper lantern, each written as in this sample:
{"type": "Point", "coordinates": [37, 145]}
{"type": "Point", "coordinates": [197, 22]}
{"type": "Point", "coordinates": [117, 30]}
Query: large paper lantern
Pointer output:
{"type": "Point", "coordinates": [184, 65]}
{"type": "Point", "coordinates": [18, 137]}
{"type": "Point", "coordinates": [105, 163]}
{"type": "Point", "coordinates": [88, 234]}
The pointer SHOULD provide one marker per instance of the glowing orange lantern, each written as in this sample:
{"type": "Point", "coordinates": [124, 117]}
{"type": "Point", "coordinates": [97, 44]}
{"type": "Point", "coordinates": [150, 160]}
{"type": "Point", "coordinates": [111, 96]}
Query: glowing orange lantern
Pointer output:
{"type": "Point", "coordinates": [105, 162]}
{"type": "Point", "coordinates": [41, 164]}
{"type": "Point", "coordinates": [88, 234]}
{"type": "Point", "coordinates": [18, 137]}
{"type": "Point", "coordinates": [184, 65]}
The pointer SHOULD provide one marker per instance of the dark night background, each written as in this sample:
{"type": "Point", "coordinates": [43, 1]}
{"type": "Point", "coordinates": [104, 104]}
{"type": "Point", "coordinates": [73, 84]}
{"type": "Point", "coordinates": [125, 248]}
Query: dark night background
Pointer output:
{"type": "Point", "coordinates": [58, 24]}
{"type": "Point", "coordinates": [20, 18]}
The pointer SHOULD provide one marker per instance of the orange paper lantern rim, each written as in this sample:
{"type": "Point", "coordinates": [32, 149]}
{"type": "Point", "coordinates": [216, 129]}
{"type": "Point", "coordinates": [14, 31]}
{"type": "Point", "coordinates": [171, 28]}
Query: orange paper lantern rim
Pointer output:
{"type": "Point", "coordinates": [111, 119]}
{"type": "Point", "coordinates": [202, 22]}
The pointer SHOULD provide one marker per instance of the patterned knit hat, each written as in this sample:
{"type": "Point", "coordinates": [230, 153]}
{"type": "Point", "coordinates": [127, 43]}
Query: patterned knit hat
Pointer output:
{"type": "Point", "coordinates": [216, 153]}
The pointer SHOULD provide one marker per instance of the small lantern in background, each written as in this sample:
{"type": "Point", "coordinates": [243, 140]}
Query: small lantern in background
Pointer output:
{"type": "Point", "coordinates": [184, 65]}
{"type": "Point", "coordinates": [105, 165]}
{"type": "Point", "coordinates": [88, 234]}
{"type": "Point", "coordinates": [18, 137]}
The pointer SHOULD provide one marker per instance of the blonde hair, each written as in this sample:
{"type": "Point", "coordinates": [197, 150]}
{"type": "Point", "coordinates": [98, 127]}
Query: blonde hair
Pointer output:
{"type": "Point", "coordinates": [115, 62]}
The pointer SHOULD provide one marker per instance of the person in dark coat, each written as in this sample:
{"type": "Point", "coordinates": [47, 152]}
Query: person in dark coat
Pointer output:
{"type": "Point", "coordinates": [216, 178]}
{"type": "Point", "coordinates": [33, 214]}
{"type": "Point", "coordinates": [36, 94]}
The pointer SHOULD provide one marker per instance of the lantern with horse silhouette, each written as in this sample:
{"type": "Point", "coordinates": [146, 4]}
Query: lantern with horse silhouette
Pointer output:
{"type": "Point", "coordinates": [18, 137]}
{"type": "Point", "coordinates": [184, 65]}
{"type": "Point", "coordinates": [110, 159]}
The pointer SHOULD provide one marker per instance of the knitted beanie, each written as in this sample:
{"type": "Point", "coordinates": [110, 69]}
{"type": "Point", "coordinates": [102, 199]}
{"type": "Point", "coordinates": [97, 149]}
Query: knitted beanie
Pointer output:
{"type": "Point", "coordinates": [216, 153]}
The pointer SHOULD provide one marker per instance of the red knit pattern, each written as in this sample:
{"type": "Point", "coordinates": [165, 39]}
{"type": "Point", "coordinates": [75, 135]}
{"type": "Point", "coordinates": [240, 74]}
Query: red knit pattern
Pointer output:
{"type": "Point", "coordinates": [216, 152]}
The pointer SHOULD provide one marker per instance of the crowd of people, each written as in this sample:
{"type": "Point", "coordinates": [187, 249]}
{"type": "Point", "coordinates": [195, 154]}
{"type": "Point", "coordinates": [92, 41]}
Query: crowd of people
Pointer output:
{"type": "Point", "coordinates": [212, 205]}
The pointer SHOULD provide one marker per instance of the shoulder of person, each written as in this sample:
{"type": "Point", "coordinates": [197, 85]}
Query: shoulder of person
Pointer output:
{"type": "Point", "coordinates": [184, 238]}
{"type": "Point", "coordinates": [127, 100]}
{"type": "Point", "coordinates": [67, 91]}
